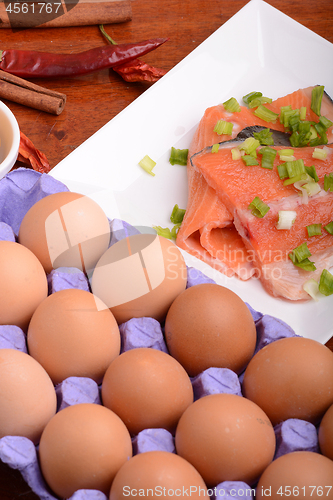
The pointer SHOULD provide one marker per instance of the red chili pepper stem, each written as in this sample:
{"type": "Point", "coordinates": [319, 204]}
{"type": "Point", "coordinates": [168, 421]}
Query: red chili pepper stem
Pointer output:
{"type": "Point", "coordinates": [101, 27]}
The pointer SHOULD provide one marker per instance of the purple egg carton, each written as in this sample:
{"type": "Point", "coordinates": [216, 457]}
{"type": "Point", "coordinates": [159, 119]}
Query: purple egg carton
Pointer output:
{"type": "Point", "coordinates": [19, 190]}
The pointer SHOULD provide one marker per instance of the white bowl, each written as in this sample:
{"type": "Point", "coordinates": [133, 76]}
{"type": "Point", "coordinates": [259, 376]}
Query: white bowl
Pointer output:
{"type": "Point", "coordinates": [9, 139]}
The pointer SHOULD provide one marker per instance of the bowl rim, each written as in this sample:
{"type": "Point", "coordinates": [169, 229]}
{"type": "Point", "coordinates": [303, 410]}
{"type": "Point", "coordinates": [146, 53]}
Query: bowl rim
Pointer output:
{"type": "Point", "coordinates": [9, 160]}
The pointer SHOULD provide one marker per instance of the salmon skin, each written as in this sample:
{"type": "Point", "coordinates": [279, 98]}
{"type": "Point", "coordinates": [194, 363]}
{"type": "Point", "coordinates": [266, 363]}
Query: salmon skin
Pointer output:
{"type": "Point", "coordinates": [219, 229]}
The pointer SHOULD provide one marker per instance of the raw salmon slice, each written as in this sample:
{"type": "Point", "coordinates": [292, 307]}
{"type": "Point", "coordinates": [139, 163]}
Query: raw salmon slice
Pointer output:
{"type": "Point", "coordinates": [236, 185]}
{"type": "Point", "coordinates": [208, 225]}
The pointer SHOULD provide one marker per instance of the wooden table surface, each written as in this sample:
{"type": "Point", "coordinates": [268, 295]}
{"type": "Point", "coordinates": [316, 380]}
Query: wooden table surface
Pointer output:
{"type": "Point", "coordinates": [93, 100]}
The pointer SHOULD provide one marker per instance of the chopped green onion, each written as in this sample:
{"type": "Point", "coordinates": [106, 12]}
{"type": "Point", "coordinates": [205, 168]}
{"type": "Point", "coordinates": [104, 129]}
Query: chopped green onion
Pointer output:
{"type": "Point", "coordinates": [250, 145]}
{"type": "Point", "coordinates": [304, 126]}
{"type": "Point", "coordinates": [328, 182]}
{"type": "Point", "coordinates": [215, 148]}
{"type": "Point", "coordinates": [322, 132]}
{"type": "Point", "coordinates": [316, 98]}
{"type": "Point", "coordinates": [177, 215]}
{"type": "Point", "coordinates": [288, 115]}
{"type": "Point", "coordinates": [232, 105]}
{"type": "Point", "coordinates": [313, 230]}
{"type": "Point", "coordinates": [236, 154]}
{"type": "Point", "coordinates": [312, 172]}
{"type": "Point", "coordinates": [266, 114]}
{"type": "Point", "coordinates": [329, 227]}
{"type": "Point", "coordinates": [265, 137]}
{"type": "Point", "coordinates": [254, 103]}
{"type": "Point", "coordinates": [174, 230]}
{"type": "Point", "coordinates": [223, 127]}
{"type": "Point", "coordinates": [283, 110]}
{"type": "Point", "coordinates": [312, 288]}
{"type": "Point", "coordinates": [326, 283]}
{"type": "Point", "coordinates": [312, 188]}
{"type": "Point", "coordinates": [301, 252]}
{"type": "Point", "coordinates": [258, 207]}
{"type": "Point", "coordinates": [292, 180]}
{"type": "Point", "coordinates": [287, 158]}
{"type": "Point", "coordinates": [325, 122]}
{"type": "Point", "coordinates": [286, 152]}
{"type": "Point", "coordinates": [314, 134]}
{"type": "Point", "coordinates": [268, 157]}
{"type": "Point", "coordinates": [295, 167]}
{"type": "Point", "coordinates": [286, 219]}
{"type": "Point", "coordinates": [178, 156]}
{"type": "Point", "coordinates": [147, 164]}
{"type": "Point", "coordinates": [282, 171]}
{"type": "Point", "coordinates": [252, 95]}
{"type": "Point", "coordinates": [163, 231]}
{"type": "Point", "coordinates": [319, 154]}
{"type": "Point", "coordinates": [249, 160]}
{"type": "Point", "coordinates": [303, 113]}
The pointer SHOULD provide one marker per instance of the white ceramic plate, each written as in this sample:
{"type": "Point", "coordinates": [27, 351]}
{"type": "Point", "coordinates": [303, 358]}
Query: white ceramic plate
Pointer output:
{"type": "Point", "coordinates": [259, 48]}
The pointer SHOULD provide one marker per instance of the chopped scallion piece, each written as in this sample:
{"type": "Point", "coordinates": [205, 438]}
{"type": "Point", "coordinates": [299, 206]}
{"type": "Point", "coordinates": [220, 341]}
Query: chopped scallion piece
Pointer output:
{"type": "Point", "coordinates": [258, 207]}
{"type": "Point", "coordinates": [287, 158]}
{"type": "Point", "coordinates": [266, 114]}
{"type": "Point", "coordinates": [316, 98]}
{"type": "Point", "coordinates": [312, 188]}
{"type": "Point", "coordinates": [223, 127]}
{"type": "Point", "coordinates": [232, 105]}
{"type": "Point", "coordinates": [326, 283]}
{"type": "Point", "coordinates": [283, 109]}
{"type": "Point", "coordinates": [178, 156]}
{"type": "Point", "coordinates": [329, 227]}
{"type": "Point", "coordinates": [301, 252]}
{"type": "Point", "coordinates": [268, 157]}
{"type": "Point", "coordinates": [303, 113]}
{"type": "Point", "coordinates": [177, 215]}
{"type": "Point", "coordinates": [252, 95]}
{"type": "Point", "coordinates": [312, 172]}
{"type": "Point", "coordinates": [313, 230]}
{"type": "Point", "coordinates": [254, 103]}
{"type": "Point", "coordinates": [292, 180]}
{"type": "Point", "coordinates": [249, 160]}
{"type": "Point", "coordinates": [286, 219]}
{"type": "Point", "coordinates": [215, 148]}
{"type": "Point", "coordinates": [322, 132]}
{"type": "Point", "coordinates": [163, 231]}
{"type": "Point", "coordinates": [236, 154]}
{"type": "Point", "coordinates": [328, 182]}
{"type": "Point", "coordinates": [319, 154]}
{"type": "Point", "coordinates": [250, 145]}
{"type": "Point", "coordinates": [286, 152]}
{"type": "Point", "coordinates": [312, 288]}
{"type": "Point", "coordinates": [265, 137]}
{"type": "Point", "coordinates": [288, 115]}
{"type": "Point", "coordinates": [325, 122]}
{"type": "Point", "coordinates": [282, 171]}
{"type": "Point", "coordinates": [147, 164]}
{"type": "Point", "coordinates": [174, 230]}
{"type": "Point", "coordinates": [295, 167]}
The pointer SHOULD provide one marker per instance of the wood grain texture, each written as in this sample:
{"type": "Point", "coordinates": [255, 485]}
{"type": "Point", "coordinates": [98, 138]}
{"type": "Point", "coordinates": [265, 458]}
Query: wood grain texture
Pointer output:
{"type": "Point", "coordinates": [95, 99]}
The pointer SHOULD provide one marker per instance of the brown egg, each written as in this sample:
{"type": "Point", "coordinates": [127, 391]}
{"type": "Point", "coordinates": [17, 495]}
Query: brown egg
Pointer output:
{"type": "Point", "coordinates": [147, 388]}
{"type": "Point", "coordinates": [69, 335]}
{"type": "Point", "coordinates": [23, 284]}
{"type": "Point", "coordinates": [291, 378]}
{"type": "Point", "coordinates": [209, 325]}
{"type": "Point", "coordinates": [158, 474]}
{"type": "Point", "coordinates": [66, 230]}
{"type": "Point", "coordinates": [140, 276]}
{"type": "Point", "coordinates": [226, 438]}
{"type": "Point", "coordinates": [325, 434]}
{"type": "Point", "coordinates": [83, 447]}
{"type": "Point", "coordinates": [27, 396]}
{"type": "Point", "coordinates": [300, 474]}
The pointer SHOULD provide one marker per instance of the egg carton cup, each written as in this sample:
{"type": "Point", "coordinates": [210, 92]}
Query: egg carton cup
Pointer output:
{"type": "Point", "coordinates": [19, 190]}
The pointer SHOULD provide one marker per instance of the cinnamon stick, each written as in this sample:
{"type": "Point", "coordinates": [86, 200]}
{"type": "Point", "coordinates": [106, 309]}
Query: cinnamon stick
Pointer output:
{"type": "Point", "coordinates": [29, 94]}
{"type": "Point", "coordinates": [59, 13]}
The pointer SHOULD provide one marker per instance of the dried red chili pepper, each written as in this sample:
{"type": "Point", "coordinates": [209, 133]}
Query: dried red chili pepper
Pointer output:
{"type": "Point", "coordinates": [29, 64]}
{"type": "Point", "coordinates": [139, 71]}
{"type": "Point", "coordinates": [30, 155]}
{"type": "Point", "coordinates": [135, 70]}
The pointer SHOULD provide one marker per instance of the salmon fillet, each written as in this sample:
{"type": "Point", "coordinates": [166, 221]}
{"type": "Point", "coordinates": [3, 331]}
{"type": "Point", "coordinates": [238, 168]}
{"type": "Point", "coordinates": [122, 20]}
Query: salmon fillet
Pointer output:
{"type": "Point", "coordinates": [208, 230]}
{"type": "Point", "coordinates": [236, 185]}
